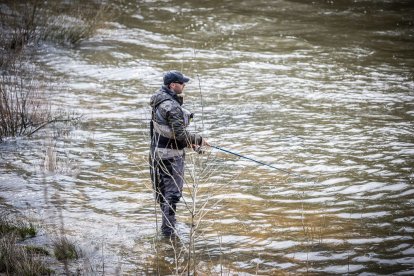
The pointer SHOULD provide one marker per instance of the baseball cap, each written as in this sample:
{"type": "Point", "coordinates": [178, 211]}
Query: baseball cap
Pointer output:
{"type": "Point", "coordinates": [174, 76]}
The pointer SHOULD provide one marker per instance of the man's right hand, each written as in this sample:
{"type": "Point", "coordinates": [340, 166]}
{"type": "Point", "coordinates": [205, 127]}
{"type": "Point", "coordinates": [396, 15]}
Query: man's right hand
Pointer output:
{"type": "Point", "coordinates": [204, 143]}
{"type": "Point", "coordinates": [201, 149]}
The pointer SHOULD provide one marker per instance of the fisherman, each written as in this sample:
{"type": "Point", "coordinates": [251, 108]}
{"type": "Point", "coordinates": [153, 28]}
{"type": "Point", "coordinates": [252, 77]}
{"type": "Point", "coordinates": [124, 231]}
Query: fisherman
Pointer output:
{"type": "Point", "coordinates": [169, 137]}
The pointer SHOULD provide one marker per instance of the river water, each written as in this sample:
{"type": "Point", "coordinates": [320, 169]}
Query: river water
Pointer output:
{"type": "Point", "coordinates": [321, 89]}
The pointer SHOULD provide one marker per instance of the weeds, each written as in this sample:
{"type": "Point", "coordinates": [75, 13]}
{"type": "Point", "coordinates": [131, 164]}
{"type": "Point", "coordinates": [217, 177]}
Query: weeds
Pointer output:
{"type": "Point", "coordinates": [70, 24]}
{"type": "Point", "coordinates": [17, 260]}
{"type": "Point", "coordinates": [10, 225]}
{"type": "Point", "coordinates": [24, 106]}
{"type": "Point", "coordinates": [37, 250]}
{"type": "Point", "coordinates": [14, 258]}
{"type": "Point", "coordinates": [65, 250]}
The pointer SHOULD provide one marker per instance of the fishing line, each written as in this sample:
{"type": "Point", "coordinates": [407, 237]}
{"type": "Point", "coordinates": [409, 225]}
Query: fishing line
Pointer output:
{"type": "Point", "coordinates": [259, 162]}
{"type": "Point", "coordinates": [238, 154]}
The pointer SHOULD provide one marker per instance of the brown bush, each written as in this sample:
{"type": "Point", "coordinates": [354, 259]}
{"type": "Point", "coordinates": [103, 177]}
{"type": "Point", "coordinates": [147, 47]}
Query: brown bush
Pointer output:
{"type": "Point", "coordinates": [24, 106]}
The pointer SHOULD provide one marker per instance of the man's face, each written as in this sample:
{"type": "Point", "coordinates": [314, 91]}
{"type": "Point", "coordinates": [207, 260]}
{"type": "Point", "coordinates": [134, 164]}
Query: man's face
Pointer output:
{"type": "Point", "coordinates": [177, 87]}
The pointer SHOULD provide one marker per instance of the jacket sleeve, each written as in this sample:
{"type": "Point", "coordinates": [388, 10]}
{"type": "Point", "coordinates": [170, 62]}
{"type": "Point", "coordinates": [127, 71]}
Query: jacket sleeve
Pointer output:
{"type": "Point", "coordinates": [175, 119]}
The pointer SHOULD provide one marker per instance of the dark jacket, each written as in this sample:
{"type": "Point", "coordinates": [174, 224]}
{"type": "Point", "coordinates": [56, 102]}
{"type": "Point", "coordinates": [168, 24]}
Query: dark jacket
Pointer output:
{"type": "Point", "coordinates": [166, 110]}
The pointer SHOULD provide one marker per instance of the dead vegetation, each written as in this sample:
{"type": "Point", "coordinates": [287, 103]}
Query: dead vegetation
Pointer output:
{"type": "Point", "coordinates": [64, 249]}
{"type": "Point", "coordinates": [25, 106]}
{"type": "Point", "coordinates": [17, 259]}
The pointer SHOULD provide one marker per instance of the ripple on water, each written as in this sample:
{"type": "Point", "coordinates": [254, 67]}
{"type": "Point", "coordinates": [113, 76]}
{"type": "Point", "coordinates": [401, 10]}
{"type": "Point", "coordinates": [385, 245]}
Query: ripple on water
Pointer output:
{"type": "Point", "coordinates": [274, 88]}
{"type": "Point", "coordinates": [340, 269]}
{"type": "Point", "coordinates": [237, 196]}
{"type": "Point", "coordinates": [364, 187]}
{"type": "Point", "coordinates": [280, 245]}
{"type": "Point", "coordinates": [363, 215]}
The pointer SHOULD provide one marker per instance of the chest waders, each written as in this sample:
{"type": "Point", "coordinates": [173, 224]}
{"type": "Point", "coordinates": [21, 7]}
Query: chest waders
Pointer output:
{"type": "Point", "coordinates": [166, 167]}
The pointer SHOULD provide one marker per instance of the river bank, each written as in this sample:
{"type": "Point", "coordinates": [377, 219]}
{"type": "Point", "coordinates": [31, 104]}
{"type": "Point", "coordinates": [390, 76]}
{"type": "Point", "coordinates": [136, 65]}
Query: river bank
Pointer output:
{"type": "Point", "coordinates": [27, 245]}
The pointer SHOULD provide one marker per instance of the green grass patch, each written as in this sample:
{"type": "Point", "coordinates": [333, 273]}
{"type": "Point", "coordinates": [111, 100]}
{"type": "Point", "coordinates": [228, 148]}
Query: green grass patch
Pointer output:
{"type": "Point", "coordinates": [37, 250]}
{"type": "Point", "coordinates": [17, 260]}
{"type": "Point", "coordinates": [65, 249]}
{"type": "Point", "coordinates": [21, 228]}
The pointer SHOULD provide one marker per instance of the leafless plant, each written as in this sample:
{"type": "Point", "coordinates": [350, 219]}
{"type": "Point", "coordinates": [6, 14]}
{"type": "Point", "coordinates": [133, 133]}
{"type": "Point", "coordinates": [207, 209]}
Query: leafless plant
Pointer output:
{"type": "Point", "coordinates": [25, 107]}
{"type": "Point", "coordinates": [198, 200]}
{"type": "Point", "coordinates": [71, 23]}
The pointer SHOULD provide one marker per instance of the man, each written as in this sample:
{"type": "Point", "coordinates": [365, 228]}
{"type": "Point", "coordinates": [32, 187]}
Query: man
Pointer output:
{"type": "Point", "coordinates": [169, 137]}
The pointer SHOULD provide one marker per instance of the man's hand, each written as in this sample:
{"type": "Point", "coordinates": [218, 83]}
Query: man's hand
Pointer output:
{"type": "Point", "coordinates": [204, 143]}
{"type": "Point", "coordinates": [197, 149]}
{"type": "Point", "coordinates": [200, 149]}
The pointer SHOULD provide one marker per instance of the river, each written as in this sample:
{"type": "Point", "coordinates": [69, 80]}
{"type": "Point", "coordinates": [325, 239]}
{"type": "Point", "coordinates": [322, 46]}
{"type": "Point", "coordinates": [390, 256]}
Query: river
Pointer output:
{"type": "Point", "coordinates": [321, 89]}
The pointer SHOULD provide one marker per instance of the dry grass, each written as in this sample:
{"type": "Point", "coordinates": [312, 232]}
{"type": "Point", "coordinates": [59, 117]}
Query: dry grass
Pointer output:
{"type": "Point", "coordinates": [24, 106]}
{"type": "Point", "coordinates": [16, 259]}
{"type": "Point", "coordinates": [65, 250]}
{"type": "Point", "coordinates": [74, 22]}
{"type": "Point", "coordinates": [9, 224]}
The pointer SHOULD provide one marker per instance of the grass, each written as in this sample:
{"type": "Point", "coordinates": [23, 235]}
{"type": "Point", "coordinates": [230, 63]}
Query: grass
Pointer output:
{"type": "Point", "coordinates": [23, 232]}
{"type": "Point", "coordinates": [19, 259]}
{"type": "Point", "coordinates": [73, 24]}
{"type": "Point", "coordinates": [65, 249]}
{"type": "Point", "coordinates": [37, 250]}
{"type": "Point", "coordinates": [16, 259]}
{"type": "Point", "coordinates": [21, 228]}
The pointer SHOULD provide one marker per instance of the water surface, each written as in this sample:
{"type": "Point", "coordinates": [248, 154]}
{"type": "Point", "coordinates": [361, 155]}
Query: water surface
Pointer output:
{"type": "Point", "coordinates": [323, 89]}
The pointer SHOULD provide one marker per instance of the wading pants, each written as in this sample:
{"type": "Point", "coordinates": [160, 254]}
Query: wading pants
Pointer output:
{"type": "Point", "coordinates": [168, 180]}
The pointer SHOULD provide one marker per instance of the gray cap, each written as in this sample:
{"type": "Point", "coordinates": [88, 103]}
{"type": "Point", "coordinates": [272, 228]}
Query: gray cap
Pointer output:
{"type": "Point", "coordinates": [174, 76]}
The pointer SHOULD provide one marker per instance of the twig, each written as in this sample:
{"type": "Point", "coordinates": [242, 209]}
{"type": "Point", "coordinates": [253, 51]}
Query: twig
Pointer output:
{"type": "Point", "coordinates": [202, 103]}
{"type": "Point", "coordinates": [51, 122]}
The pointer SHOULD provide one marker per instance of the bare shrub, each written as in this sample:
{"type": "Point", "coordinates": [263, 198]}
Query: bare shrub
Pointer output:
{"type": "Point", "coordinates": [25, 107]}
{"type": "Point", "coordinates": [18, 29]}
{"type": "Point", "coordinates": [200, 197]}
{"type": "Point", "coordinates": [24, 104]}
{"type": "Point", "coordinates": [74, 22]}
{"type": "Point", "coordinates": [60, 21]}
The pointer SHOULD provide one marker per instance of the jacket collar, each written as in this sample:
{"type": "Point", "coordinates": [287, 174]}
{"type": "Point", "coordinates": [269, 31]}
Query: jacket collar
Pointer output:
{"type": "Point", "coordinates": [172, 94]}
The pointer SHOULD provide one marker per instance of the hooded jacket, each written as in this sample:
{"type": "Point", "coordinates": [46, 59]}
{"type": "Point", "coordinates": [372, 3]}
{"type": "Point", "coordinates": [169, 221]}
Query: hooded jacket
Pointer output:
{"type": "Point", "coordinates": [167, 110]}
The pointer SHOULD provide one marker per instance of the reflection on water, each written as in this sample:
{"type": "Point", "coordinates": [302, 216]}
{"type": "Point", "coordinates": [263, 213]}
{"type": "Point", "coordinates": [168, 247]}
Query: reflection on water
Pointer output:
{"type": "Point", "coordinates": [323, 89]}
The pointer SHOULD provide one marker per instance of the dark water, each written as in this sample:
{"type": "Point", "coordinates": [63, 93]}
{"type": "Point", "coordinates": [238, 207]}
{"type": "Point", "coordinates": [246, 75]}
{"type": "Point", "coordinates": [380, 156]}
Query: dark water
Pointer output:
{"type": "Point", "coordinates": [323, 89]}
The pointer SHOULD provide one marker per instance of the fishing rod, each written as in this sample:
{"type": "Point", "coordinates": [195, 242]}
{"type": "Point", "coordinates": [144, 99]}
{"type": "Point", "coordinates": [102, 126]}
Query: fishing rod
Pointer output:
{"type": "Point", "coordinates": [261, 163]}
{"type": "Point", "coordinates": [251, 159]}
